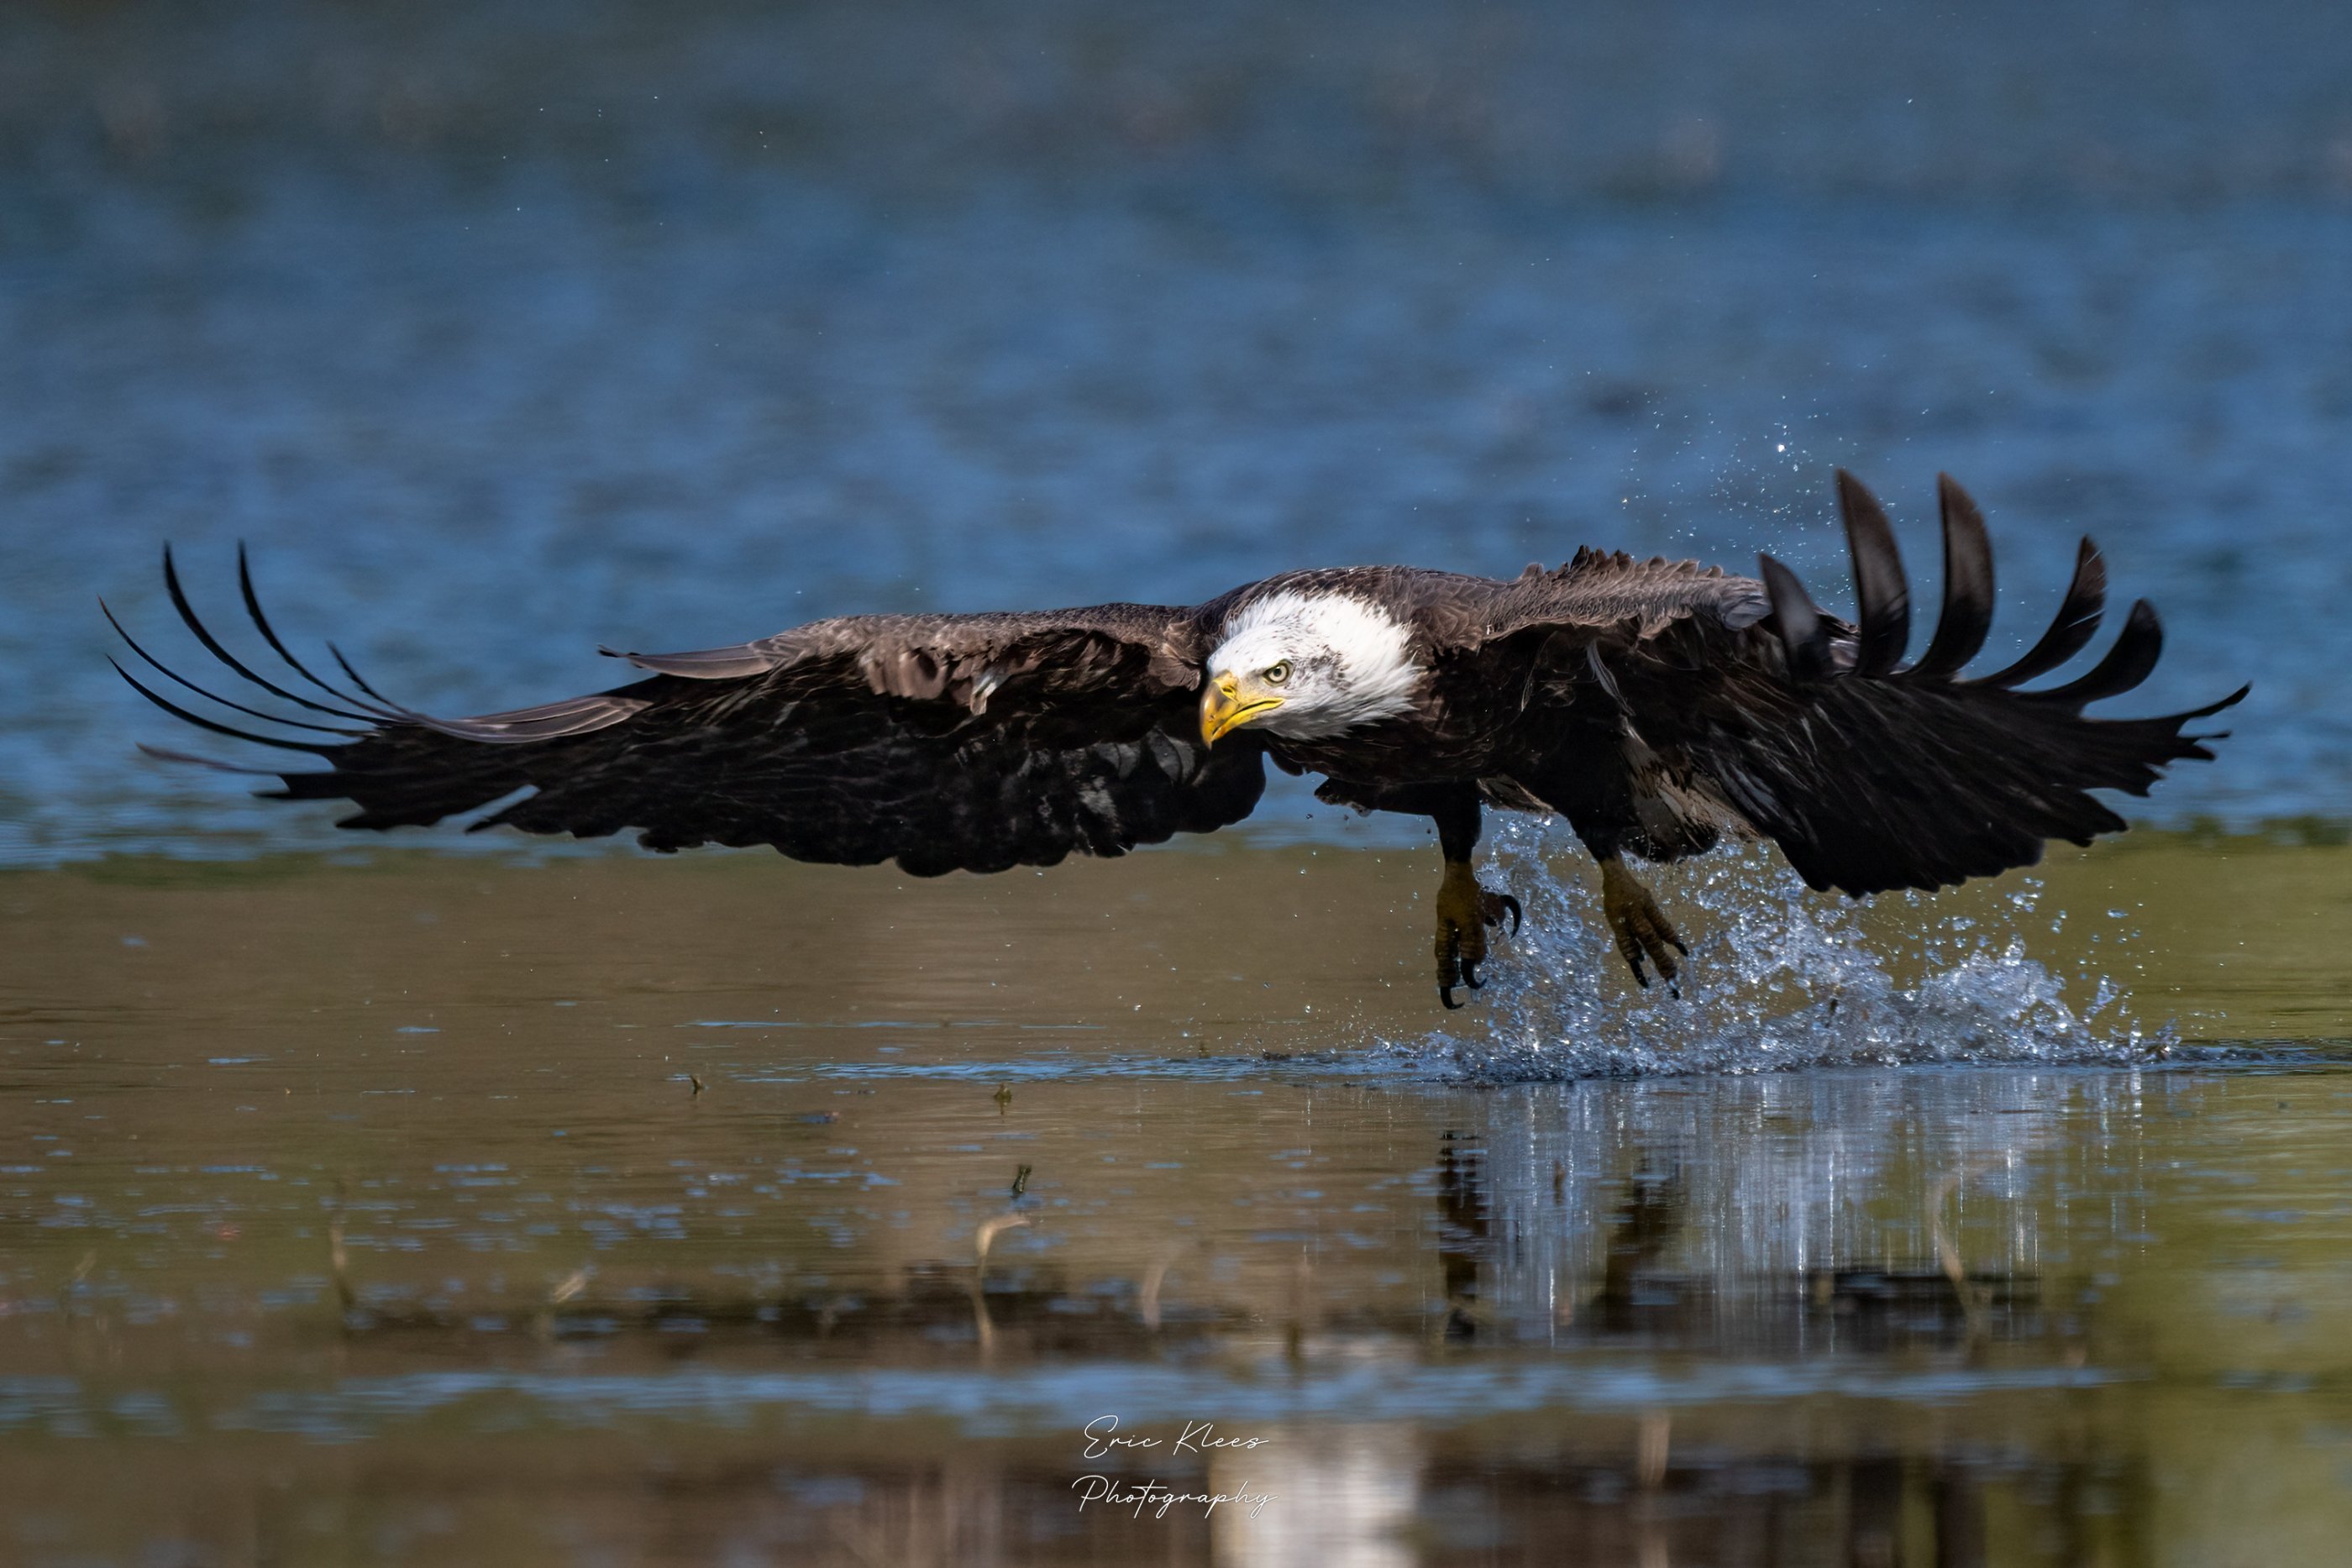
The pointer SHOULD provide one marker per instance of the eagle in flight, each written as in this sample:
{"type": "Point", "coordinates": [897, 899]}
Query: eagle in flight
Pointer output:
{"type": "Point", "coordinates": [1659, 705]}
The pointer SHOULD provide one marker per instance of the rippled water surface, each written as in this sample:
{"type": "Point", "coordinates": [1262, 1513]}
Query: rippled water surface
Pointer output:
{"type": "Point", "coordinates": [421, 1209]}
{"type": "Point", "coordinates": [460, 1201]}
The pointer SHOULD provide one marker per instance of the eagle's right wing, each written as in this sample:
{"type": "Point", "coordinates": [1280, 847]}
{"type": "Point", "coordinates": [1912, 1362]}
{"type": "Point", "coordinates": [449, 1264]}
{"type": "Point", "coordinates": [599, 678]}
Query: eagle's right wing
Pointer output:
{"type": "Point", "coordinates": [944, 742]}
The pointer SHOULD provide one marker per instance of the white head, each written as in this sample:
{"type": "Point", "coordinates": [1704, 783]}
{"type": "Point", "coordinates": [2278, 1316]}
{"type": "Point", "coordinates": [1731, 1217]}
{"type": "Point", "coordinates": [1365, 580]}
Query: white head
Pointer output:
{"type": "Point", "coordinates": [1309, 665]}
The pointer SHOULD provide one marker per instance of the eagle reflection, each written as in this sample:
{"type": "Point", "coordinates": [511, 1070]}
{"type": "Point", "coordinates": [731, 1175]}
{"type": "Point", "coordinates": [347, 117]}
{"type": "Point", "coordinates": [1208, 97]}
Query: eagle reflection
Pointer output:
{"type": "Point", "coordinates": [1618, 1247]}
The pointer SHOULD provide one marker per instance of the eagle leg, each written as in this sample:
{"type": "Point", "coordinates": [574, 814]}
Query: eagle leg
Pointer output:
{"type": "Point", "coordinates": [1640, 928]}
{"type": "Point", "coordinates": [1464, 911]}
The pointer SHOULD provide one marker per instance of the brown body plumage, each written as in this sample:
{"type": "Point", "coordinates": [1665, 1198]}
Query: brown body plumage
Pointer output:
{"type": "Point", "coordinates": [1656, 705]}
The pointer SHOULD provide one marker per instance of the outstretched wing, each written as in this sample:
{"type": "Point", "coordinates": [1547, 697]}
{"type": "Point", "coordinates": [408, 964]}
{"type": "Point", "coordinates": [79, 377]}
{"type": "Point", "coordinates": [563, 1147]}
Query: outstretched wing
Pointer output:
{"type": "Point", "coordinates": [1869, 773]}
{"type": "Point", "coordinates": [950, 742]}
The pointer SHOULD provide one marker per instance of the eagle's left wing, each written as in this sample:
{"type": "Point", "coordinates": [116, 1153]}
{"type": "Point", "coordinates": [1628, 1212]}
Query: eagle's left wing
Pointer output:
{"type": "Point", "coordinates": [945, 742]}
{"type": "Point", "coordinates": [1869, 773]}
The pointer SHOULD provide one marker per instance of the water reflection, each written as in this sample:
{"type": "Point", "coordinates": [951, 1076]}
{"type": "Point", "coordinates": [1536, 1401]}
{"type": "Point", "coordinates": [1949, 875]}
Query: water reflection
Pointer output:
{"type": "Point", "coordinates": [1791, 1212]}
{"type": "Point", "coordinates": [1772, 1216]}
{"type": "Point", "coordinates": [1847, 1319]}
{"type": "Point", "coordinates": [1349, 1496]}
{"type": "Point", "coordinates": [327, 1232]}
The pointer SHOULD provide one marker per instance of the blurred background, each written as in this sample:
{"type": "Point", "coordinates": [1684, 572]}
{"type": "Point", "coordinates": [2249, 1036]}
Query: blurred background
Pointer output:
{"type": "Point", "coordinates": [505, 327]}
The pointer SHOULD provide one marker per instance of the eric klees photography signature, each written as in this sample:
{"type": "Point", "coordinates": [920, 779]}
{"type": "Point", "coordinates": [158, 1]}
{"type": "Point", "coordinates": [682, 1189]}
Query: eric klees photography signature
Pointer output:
{"type": "Point", "coordinates": [1148, 1494]}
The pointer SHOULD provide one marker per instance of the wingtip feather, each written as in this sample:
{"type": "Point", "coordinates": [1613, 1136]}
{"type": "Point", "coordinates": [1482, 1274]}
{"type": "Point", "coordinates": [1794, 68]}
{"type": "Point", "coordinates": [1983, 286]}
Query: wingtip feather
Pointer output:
{"type": "Point", "coordinates": [2076, 622]}
{"type": "Point", "coordinates": [176, 711]}
{"type": "Point", "coordinates": [2131, 660]}
{"type": "Point", "coordinates": [1803, 635]}
{"type": "Point", "coordinates": [1966, 613]}
{"type": "Point", "coordinates": [1882, 594]}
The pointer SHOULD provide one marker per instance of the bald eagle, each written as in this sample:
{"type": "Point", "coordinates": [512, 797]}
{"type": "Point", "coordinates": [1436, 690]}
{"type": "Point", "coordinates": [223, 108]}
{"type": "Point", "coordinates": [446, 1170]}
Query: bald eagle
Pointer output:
{"type": "Point", "coordinates": [1658, 706]}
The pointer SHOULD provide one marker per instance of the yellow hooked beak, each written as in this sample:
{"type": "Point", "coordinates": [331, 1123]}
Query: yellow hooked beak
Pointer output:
{"type": "Point", "coordinates": [1225, 707]}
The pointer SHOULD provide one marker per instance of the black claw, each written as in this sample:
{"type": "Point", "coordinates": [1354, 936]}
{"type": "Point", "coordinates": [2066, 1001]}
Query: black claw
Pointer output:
{"type": "Point", "coordinates": [1640, 979]}
{"type": "Point", "coordinates": [1678, 945]}
{"type": "Point", "coordinates": [1445, 995]}
{"type": "Point", "coordinates": [1513, 905]}
{"type": "Point", "coordinates": [1470, 975]}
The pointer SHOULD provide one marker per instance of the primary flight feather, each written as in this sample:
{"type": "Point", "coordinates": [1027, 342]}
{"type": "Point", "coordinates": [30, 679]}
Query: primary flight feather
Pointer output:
{"type": "Point", "coordinates": [1657, 705]}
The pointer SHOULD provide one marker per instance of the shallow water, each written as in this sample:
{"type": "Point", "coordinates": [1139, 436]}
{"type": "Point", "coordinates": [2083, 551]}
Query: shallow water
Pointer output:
{"type": "Point", "coordinates": [421, 1209]}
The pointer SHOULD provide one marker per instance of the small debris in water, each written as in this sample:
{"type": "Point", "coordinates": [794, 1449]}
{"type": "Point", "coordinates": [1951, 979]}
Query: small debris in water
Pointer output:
{"type": "Point", "coordinates": [1020, 1181]}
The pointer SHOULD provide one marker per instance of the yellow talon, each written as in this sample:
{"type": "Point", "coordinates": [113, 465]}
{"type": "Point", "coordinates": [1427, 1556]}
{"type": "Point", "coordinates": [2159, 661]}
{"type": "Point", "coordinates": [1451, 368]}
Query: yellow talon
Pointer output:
{"type": "Point", "coordinates": [1635, 921]}
{"type": "Point", "coordinates": [1464, 911]}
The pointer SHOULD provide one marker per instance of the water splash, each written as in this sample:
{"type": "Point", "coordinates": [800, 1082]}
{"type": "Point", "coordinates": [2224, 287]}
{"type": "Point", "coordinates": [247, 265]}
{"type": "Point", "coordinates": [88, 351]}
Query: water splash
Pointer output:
{"type": "Point", "coordinates": [1780, 978]}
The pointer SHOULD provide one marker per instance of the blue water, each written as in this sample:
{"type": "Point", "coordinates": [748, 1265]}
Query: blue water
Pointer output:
{"type": "Point", "coordinates": [502, 331]}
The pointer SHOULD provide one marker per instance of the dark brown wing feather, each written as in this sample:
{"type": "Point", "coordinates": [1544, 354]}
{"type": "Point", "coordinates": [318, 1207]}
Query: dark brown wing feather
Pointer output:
{"type": "Point", "coordinates": [1606, 590]}
{"type": "Point", "coordinates": [1871, 777]}
{"type": "Point", "coordinates": [943, 742]}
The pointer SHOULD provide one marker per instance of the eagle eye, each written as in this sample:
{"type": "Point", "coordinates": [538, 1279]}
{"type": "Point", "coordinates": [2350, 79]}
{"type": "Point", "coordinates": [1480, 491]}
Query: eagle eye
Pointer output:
{"type": "Point", "coordinates": [1277, 674]}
